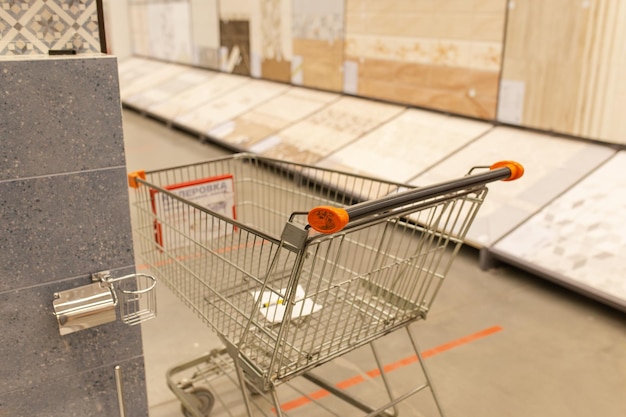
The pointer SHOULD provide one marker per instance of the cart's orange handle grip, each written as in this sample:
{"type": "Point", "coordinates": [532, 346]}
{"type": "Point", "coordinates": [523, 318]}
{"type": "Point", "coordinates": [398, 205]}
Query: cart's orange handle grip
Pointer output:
{"type": "Point", "coordinates": [517, 169]}
{"type": "Point", "coordinates": [328, 219]}
{"type": "Point", "coordinates": [132, 178]}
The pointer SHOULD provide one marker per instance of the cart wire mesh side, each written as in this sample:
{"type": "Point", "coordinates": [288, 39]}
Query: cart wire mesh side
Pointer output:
{"type": "Point", "coordinates": [231, 237]}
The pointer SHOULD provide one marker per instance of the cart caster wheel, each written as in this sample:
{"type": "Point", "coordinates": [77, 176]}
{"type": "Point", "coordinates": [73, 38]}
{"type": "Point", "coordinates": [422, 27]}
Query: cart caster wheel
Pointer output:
{"type": "Point", "coordinates": [206, 400]}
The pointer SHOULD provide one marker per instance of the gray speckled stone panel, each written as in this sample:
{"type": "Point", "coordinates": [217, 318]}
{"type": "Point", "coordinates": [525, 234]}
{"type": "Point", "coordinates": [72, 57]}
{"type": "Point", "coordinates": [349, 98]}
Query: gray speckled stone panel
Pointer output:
{"type": "Point", "coordinates": [59, 115]}
{"type": "Point", "coordinates": [88, 393]}
{"type": "Point", "coordinates": [32, 350]}
{"type": "Point", "coordinates": [63, 226]}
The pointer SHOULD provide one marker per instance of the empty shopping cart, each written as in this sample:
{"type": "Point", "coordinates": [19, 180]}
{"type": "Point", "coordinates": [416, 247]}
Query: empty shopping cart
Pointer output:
{"type": "Point", "coordinates": [294, 266]}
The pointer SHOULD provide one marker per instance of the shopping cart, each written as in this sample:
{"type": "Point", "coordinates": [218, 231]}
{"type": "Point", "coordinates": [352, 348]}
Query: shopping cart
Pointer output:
{"type": "Point", "coordinates": [293, 266]}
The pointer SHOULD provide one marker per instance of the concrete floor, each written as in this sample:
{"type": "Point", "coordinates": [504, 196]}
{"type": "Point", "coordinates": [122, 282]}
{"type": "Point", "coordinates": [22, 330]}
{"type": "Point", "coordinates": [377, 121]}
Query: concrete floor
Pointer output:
{"type": "Point", "coordinates": [497, 343]}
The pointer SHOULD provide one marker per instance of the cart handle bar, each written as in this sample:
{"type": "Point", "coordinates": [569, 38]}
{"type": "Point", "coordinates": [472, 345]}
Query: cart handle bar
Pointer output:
{"type": "Point", "coordinates": [329, 219]}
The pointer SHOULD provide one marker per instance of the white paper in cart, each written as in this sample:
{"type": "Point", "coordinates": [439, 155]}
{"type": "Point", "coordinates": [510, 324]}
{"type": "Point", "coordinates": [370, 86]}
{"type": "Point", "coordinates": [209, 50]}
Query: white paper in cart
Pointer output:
{"type": "Point", "coordinates": [273, 306]}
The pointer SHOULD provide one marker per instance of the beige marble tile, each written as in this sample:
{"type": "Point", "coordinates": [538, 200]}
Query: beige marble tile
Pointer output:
{"type": "Point", "coordinates": [406, 145]}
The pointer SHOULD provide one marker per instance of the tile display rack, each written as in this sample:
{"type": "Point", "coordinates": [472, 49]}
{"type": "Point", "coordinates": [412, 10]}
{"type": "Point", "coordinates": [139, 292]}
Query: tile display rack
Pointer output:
{"type": "Point", "coordinates": [417, 146]}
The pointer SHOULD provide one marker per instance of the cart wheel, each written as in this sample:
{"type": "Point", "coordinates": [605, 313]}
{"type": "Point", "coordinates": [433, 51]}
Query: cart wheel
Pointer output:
{"type": "Point", "coordinates": [206, 400]}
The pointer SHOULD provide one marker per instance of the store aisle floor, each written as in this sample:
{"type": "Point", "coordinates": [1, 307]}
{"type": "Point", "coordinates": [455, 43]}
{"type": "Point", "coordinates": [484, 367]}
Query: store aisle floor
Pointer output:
{"type": "Point", "coordinates": [497, 343]}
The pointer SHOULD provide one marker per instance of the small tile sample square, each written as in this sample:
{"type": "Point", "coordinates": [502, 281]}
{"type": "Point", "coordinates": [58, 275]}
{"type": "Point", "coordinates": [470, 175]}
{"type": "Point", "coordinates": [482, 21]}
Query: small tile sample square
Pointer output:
{"type": "Point", "coordinates": [580, 236]}
{"type": "Point", "coordinates": [406, 145]}
{"type": "Point", "coordinates": [552, 165]}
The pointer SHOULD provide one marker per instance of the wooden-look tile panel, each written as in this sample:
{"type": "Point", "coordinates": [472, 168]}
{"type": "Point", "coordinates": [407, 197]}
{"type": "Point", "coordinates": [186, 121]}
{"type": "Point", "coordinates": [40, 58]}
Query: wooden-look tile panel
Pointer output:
{"type": "Point", "coordinates": [444, 55]}
{"type": "Point", "coordinates": [235, 43]}
{"type": "Point", "coordinates": [561, 66]}
{"type": "Point", "coordinates": [320, 65]}
{"type": "Point", "coordinates": [274, 43]}
{"type": "Point", "coordinates": [458, 90]}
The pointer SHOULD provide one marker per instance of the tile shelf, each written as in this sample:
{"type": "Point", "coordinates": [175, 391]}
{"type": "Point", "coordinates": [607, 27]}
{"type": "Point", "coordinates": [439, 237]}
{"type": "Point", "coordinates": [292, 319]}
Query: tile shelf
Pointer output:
{"type": "Point", "coordinates": [391, 141]}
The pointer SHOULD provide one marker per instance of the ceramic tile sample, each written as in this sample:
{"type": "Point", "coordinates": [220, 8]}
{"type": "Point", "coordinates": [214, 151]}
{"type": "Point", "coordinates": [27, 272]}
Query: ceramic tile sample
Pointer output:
{"type": "Point", "coordinates": [580, 237]}
{"type": "Point", "coordinates": [275, 39]}
{"type": "Point", "coordinates": [139, 29]}
{"type": "Point", "coordinates": [169, 30]}
{"type": "Point", "coordinates": [272, 116]}
{"type": "Point", "coordinates": [441, 55]}
{"type": "Point", "coordinates": [406, 145]}
{"type": "Point", "coordinates": [34, 27]}
{"type": "Point", "coordinates": [326, 131]}
{"type": "Point", "coordinates": [235, 46]}
{"type": "Point", "coordinates": [318, 42]}
{"type": "Point", "coordinates": [552, 166]}
{"type": "Point", "coordinates": [161, 73]}
{"type": "Point", "coordinates": [189, 100]}
{"type": "Point", "coordinates": [205, 33]}
{"type": "Point", "coordinates": [235, 27]}
{"type": "Point", "coordinates": [161, 92]}
{"type": "Point", "coordinates": [588, 40]}
{"type": "Point", "coordinates": [230, 105]}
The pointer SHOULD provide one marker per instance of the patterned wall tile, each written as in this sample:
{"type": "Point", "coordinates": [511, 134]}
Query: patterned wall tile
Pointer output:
{"type": "Point", "coordinates": [35, 27]}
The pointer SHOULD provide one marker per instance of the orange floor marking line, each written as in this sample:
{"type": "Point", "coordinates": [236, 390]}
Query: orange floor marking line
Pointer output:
{"type": "Point", "coordinates": [299, 402]}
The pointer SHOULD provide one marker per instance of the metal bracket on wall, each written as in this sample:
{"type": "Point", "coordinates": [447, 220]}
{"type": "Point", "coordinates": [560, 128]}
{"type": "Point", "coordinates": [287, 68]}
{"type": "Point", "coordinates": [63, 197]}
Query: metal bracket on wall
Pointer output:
{"type": "Point", "coordinates": [95, 304]}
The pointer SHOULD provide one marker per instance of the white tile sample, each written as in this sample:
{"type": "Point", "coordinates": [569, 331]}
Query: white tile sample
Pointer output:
{"type": "Point", "coordinates": [580, 236]}
{"type": "Point", "coordinates": [552, 165]}
{"type": "Point", "coordinates": [187, 101]}
{"type": "Point", "coordinates": [228, 106]}
{"type": "Point", "coordinates": [169, 29]}
{"type": "Point", "coordinates": [324, 132]}
{"type": "Point", "coordinates": [406, 145]}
